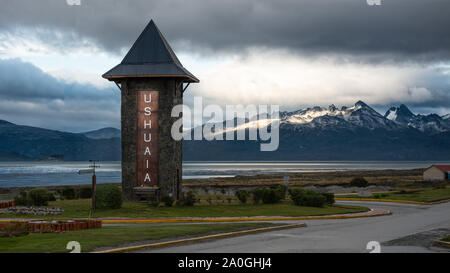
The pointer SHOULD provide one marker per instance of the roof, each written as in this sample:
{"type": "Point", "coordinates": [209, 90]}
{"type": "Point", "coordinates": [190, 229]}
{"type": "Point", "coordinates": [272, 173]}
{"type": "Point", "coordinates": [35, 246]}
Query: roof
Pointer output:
{"type": "Point", "coordinates": [150, 56]}
{"type": "Point", "coordinates": [444, 168]}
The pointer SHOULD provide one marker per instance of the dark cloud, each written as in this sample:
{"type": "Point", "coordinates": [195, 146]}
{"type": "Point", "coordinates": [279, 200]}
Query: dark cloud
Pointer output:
{"type": "Point", "coordinates": [31, 97]}
{"type": "Point", "coordinates": [403, 29]}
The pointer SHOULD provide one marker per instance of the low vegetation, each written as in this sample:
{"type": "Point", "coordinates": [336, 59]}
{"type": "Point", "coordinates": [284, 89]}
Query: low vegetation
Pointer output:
{"type": "Point", "coordinates": [108, 197]}
{"type": "Point", "coordinates": [424, 195]}
{"type": "Point", "coordinates": [34, 197]}
{"type": "Point", "coordinates": [359, 182]}
{"type": "Point", "coordinates": [80, 208]}
{"type": "Point", "coordinates": [111, 236]}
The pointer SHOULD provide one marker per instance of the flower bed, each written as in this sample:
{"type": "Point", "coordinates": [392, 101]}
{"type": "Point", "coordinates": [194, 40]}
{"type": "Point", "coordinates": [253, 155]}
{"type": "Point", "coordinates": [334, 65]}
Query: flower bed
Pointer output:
{"type": "Point", "coordinates": [43, 226]}
{"type": "Point", "coordinates": [7, 204]}
{"type": "Point", "coordinates": [32, 210]}
{"type": "Point", "coordinates": [62, 225]}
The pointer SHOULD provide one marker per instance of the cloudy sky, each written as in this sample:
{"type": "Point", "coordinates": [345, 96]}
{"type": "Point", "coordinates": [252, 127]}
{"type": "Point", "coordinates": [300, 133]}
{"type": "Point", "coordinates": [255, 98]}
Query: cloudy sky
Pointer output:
{"type": "Point", "coordinates": [295, 53]}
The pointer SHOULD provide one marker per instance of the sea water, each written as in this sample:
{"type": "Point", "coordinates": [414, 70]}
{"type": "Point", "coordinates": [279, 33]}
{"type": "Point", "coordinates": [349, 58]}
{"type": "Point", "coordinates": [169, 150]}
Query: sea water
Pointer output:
{"type": "Point", "coordinates": [29, 174]}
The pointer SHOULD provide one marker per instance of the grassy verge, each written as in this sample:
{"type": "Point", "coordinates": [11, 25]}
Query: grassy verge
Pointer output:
{"type": "Point", "coordinates": [428, 195]}
{"type": "Point", "coordinates": [81, 207]}
{"type": "Point", "coordinates": [111, 236]}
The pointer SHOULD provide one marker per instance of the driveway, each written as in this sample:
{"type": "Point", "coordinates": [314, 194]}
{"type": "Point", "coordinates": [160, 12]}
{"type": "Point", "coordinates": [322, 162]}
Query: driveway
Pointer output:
{"type": "Point", "coordinates": [411, 228]}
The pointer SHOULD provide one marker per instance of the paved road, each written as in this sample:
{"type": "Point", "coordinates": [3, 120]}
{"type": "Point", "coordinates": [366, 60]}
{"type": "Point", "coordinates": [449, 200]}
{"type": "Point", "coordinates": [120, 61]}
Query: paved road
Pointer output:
{"type": "Point", "coordinates": [412, 227]}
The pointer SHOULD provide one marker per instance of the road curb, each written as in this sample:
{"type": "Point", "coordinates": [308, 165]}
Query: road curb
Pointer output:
{"type": "Point", "coordinates": [202, 238]}
{"type": "Point", "coordinates": [245, 219]}
{"type": "Point", "coordinates": [441, 243]}
{"type": "Point", "coordinates": [392, 201]}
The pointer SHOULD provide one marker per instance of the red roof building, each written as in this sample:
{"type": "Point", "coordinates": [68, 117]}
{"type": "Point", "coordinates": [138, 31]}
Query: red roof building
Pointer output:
{"type": "Point", "coordinates": [437, 172]}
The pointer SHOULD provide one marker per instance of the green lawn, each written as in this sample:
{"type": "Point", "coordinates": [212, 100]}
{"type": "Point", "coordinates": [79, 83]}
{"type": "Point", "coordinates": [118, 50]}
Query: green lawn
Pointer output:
{"type": "Point", "coordinates": [111, 236]}
{"type": "Point", "coordinates": [81, 207]}
{"type": "Point", "coordinates": [428, 195]}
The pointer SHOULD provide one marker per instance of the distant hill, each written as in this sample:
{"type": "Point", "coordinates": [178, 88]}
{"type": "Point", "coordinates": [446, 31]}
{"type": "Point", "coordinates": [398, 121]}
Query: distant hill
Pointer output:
{"type": "Point", "coordinates": [104, 133]}
{"type": "Point", "coordinates": [19, 142]}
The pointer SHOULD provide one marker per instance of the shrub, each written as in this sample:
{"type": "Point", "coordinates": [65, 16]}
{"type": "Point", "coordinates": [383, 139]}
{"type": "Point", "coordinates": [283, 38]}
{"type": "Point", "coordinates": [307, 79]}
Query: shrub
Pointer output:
{"type": "Point", "coordinates": [153, 200]}
{"type": "Point", "coordinates": [187, 199]}
{"type": "Point", "coordinates": [69, 193]}
{"type": "Point", "coordinates": [21, 199]}
{"type": "Point", "coordinates": [308, 198]}
{"type": "Point", "coordinates": [86, 193]}
{"type": "Point", "coordinates": [108, 196]}
{"type": "Point", "coordinates": [329, 198]}
{"type": "Point", "coordinates": [359, 182]}
{"type": "Point", "coordinates": [380, 195]}
{"type": "Point", "coordinates": [167, 200]}
{"type": "Point", "coordinates": [38, 197]}
{"type": "Point", "coordinates": [282, 191]}
{"type": "Point", "coordinates": [242, 196]}
{"type": "Point", "coordinates": [257, 195]}
{"type": "Point", "coordinates": [51, 197]}
{"type": "Point", "coordinates": [271, 196]}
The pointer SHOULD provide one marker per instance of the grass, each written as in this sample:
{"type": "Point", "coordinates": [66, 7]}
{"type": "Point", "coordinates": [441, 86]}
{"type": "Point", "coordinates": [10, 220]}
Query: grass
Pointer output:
{"type": "Point", "coordinates": [111, 236]}
{"type": "Point", "coordinates": [81, 207]}
{"type": "Point", "coordinates": [446, 239]}
{"type": "Point", "coordinates": [427, 195]}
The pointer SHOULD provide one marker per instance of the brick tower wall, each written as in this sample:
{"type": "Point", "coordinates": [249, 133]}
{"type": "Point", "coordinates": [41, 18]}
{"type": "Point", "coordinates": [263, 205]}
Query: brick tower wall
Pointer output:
{"type": "Point", "coordinates": [170, 151]}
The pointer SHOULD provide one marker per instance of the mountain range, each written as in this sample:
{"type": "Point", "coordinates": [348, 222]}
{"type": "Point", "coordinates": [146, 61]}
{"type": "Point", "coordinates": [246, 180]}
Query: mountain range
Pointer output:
{"type": "Point", "coordinates": [349, 133]}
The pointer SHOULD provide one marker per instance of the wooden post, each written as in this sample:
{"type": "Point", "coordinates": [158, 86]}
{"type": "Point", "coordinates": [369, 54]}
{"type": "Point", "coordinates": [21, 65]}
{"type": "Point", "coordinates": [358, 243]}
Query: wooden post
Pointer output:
{"type": "Point", "coordinates": [94, 180]}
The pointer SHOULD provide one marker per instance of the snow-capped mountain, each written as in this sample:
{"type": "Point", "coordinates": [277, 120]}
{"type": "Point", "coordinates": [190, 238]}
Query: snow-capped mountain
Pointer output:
{"type": "Point", "coordinates": [425, 123]}
{"type": "Point", "coordinates": [359, 115]}
{"type": "Point", "coordinates": [357, 132]}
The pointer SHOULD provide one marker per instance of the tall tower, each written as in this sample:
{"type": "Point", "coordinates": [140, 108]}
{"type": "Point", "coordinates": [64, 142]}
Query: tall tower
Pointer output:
{"type": "Point", "coordinates": [151, 79]}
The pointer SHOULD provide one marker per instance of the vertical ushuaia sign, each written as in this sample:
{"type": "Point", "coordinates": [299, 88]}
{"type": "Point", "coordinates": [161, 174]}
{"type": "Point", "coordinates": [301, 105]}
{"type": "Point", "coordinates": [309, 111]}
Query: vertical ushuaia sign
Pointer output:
{"type": "Point", "coordinates": [147, 138]}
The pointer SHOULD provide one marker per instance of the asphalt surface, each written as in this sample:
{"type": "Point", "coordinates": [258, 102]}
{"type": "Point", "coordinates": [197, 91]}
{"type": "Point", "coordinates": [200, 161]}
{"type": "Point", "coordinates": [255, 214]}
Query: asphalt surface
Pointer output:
{"type": "Point", "coordinates": [411, 228]}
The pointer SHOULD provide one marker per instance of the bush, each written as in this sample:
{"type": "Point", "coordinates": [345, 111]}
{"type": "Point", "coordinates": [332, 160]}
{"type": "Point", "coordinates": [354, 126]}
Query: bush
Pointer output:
{"type": "Point", "coordinates": [271, 196]}
{"type": "Point", "coordinates": [51, 197]}
{"type": "Point", "coordinates": [257, 195]}
{"type": "Point", "coordinates": [380, 195]}
{"type": "Point", "coordinates": [108, 197]}
{"type": "Point", "coordinates": [282, 191]}
{"type": "Point", "coordinates": [153, 200]}
{"type": "Point", "coordinates": [242, 196]}
{"type": "Point", "coordinates": [329, 198]}
{"type": "Point", "coordinates": [308, 198]}
{"type": "Point", "coordinates": [167, 200]}
{"type": "Point", "coordinates": [86, 193]}
{"type": "Point", "coordinates": [69, 193]}
{"type": "Point", "coordinates": [359, 182]}
{"type": "Point", "coordinates": [187, 199]}
{"type": "Point", "coordinates": [21, 199]}
{"type": "Point", "coordinates": [38, 197]}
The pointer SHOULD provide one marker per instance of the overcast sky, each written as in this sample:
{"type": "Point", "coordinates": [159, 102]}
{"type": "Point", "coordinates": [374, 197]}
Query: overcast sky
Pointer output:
{"type": "Point", "coordinates": [295, 53]}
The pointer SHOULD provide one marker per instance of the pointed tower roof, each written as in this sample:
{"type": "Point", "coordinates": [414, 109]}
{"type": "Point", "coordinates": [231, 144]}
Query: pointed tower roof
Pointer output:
{"type": "Point", "coordinates": [150, 56]}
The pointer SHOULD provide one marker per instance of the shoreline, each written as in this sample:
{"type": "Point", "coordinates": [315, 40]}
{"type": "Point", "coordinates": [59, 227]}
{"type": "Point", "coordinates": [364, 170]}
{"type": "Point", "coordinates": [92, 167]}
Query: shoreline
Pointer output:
{"type": "Point", "coordinates": [390, 178]}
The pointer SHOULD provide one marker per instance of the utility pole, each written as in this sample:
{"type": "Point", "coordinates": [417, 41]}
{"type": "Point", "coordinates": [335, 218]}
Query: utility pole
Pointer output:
{"type": "Point", "coordinates": [94, 181]}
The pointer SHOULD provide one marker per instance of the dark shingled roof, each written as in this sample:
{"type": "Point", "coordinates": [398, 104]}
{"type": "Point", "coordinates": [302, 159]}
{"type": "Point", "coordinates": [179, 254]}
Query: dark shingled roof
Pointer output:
{"type": "Point", "coordinates": [150, 56]}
